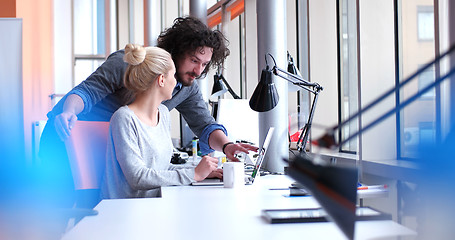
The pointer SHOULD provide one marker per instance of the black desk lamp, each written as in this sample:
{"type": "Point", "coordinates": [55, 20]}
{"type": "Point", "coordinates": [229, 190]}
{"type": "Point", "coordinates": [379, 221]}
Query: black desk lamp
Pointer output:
{"type": "Point", "coordinates": [265, 96]}
{"type": "Point", "coordinates": [334, 187]}
{"type": "Point", "coordinates": [221, 86]}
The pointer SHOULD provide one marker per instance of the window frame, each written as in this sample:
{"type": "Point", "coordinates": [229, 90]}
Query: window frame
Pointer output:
{"type": "Point", "coordinates": [103, 48]}
{"type": "Point", "coordinates": [402, 152]}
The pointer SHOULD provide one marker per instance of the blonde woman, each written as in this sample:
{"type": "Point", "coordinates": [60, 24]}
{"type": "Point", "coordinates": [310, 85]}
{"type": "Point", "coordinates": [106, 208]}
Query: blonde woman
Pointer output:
{"type": "Point", "coordinates": [140, 147]}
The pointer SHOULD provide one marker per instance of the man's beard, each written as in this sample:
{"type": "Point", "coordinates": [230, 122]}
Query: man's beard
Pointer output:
{"type": "Point", "coordinates": [188, 82]}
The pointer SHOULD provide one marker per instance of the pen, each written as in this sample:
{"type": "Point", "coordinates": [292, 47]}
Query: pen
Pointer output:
{"type": "Point", "coordinates": [372, 187]}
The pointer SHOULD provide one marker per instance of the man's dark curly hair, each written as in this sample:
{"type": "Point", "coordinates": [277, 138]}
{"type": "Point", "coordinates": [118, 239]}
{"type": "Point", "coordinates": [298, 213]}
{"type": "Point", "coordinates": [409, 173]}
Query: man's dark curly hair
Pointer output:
{"type": "Point", "coordinates": [187, 35]}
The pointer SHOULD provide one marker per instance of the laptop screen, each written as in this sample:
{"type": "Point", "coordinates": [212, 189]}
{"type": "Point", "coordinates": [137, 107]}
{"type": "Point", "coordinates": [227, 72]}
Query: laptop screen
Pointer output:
{"type": "Point", "coordinates": [262, 153]}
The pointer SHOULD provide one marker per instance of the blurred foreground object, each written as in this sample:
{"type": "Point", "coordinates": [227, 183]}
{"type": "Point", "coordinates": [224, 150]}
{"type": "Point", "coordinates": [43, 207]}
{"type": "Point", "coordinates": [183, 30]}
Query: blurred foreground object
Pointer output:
{"type": "Point", "coordinates": [334, 187]}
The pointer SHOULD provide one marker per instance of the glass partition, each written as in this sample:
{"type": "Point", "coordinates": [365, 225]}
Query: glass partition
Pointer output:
{"type": "Point", "coordinates": [348, 77]}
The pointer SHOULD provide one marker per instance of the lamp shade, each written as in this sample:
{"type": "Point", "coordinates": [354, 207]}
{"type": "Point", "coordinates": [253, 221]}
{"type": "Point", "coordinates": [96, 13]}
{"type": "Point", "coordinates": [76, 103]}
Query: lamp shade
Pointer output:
{"type": "Point", "coordinates": [265, 96]}
{"type": "Point", "coordinates": [219, 88]}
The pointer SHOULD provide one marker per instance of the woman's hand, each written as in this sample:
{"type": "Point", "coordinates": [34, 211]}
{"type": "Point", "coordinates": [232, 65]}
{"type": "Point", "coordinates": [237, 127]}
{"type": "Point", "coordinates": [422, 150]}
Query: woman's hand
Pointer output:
{"type": "Point", "coordinates": [217, 173]}
{"type": "Point", "coordinates": [206, 166]}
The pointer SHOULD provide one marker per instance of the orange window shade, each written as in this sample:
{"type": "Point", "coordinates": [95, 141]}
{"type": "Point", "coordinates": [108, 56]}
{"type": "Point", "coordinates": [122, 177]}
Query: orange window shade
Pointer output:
{"type": "Point", "coordinates": [214, 20]}
{"type": "Point", "coordinates": [8, 9]}
{"type": "Point", "coordinates": [236, 8]}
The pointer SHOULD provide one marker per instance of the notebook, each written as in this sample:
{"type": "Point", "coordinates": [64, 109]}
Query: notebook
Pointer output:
{"type": "Point", "coordinates": [249, 179]}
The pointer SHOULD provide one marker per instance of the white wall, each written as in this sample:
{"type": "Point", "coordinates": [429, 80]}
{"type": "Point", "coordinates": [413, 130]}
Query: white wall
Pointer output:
{"type": "Point", "coordinates": [323, 59]}
{"type": "Point", "coordinates": [123, 20]}
{"type": "Point", "coordinates": [232, 63]}
{"type": "Point", "coordinates": [170, 12]}
{"type": "Point", "coordinates": [377, 76]}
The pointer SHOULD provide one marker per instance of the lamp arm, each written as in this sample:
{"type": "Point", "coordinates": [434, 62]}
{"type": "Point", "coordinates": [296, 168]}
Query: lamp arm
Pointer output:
{"type": "Point", "coordinates": [303, 138]}
{"type": "Point", "coordinates": [234, 95]}
{"type": "Point", "coordinates": [295, 79]}
{"type": "Point", "coordinates": [302, 83]}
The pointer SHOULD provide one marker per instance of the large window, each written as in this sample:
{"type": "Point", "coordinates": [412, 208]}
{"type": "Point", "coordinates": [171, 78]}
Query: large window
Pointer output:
{"type": "Point", "coordinates": [365, 72]}
{"type": "Point", "coordinates": [90, 40]}
{"type": "Point", "coordinates": [418, 121]}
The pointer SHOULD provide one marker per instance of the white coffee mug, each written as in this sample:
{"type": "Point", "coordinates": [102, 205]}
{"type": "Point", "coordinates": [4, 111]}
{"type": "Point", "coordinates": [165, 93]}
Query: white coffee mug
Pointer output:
{"type": "Point", "coordinates": [233, 174]}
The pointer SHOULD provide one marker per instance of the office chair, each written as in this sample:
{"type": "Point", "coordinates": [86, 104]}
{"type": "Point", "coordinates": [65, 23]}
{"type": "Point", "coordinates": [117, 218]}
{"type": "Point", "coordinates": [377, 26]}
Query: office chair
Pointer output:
{"type": "Point", "coordinates": [86, 148]}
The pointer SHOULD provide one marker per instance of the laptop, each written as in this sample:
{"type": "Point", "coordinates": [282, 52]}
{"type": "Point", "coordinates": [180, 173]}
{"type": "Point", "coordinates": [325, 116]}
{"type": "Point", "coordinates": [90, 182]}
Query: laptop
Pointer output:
{"type": "Point", "coordinates": [249, 179]}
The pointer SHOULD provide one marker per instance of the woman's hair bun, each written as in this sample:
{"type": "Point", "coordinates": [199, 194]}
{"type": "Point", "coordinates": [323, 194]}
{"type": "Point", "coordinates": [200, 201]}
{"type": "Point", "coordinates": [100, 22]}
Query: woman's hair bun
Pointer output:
{"type": "Point", "coordinates": [134, 54]}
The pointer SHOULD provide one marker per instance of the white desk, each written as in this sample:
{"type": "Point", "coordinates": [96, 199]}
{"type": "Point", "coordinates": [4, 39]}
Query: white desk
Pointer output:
{"type": "Point", "coordinates": [213, 212]}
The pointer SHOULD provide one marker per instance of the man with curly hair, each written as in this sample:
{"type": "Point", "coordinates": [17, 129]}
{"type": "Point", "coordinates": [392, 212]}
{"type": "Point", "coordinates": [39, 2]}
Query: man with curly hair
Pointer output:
{"type": "Point", "coordinates": [194, 49]}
